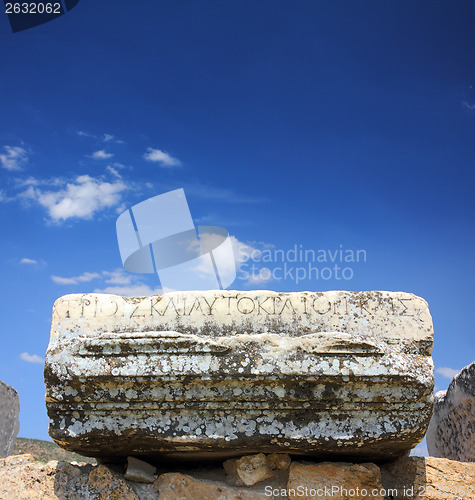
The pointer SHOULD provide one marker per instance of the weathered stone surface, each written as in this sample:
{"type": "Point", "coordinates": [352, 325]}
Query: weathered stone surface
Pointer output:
{"type": "Point", "coordinates": [429, 478]}
{"type": "Point", "coordinates": [223, 373]}
{"type": "Point", "coordinates": [451, 432]}
{"type": "Point", "coordinates": [9, 423]}
{"type": "Point", "coordinates": [139, 471]}
{"type": "Point", "coordinates": [333, 480]}
{"type": "Point", "coordinates": [175, 486]}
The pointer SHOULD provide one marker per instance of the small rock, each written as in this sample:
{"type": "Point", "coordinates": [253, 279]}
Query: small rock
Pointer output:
{"type": "Point", "coordinates": [280, 461]}
{"type": "Point", "coordinates": [247, 470]}
{"type": "Point", "coordinates": [175, 486]}
{"type": "Point", "coordinates": [139, 471]}
{"type": "Point", "coordinates": [334, 480]}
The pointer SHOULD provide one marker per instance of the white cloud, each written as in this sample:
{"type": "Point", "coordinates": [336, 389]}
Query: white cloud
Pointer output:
{"type": "Point", "coordinates": [113, 171]}
{"type": "Point", "coordinates": [447, 372]}
{"type": "Point", "coordinates": [118, 277]}
{"type": "Point", "coordinates": [243, 251]}
{"type": "Point", "coordinates": [159, 156]}
{"type": "Point", "coordinates": [218, 194]}
{"type": "Point", "coordinates": [74, 280]}
{"type": "Point", "coordinates": [81, 198]}
{"type": "Point", "coordinates": [263, 276]}
{"type": "Point", "coordinates": [13, 158]}
{"type": "Point", "coordinates": [31, 358]}
{"type": "Point", "coordinates": [101, 155]}
{"type": "Point", "coordinates": [132, 290]}
{"type": "Point", "coordinates": [4, 197]}
{"type": "Point", "coordinates": [28, 261]}
{"type": "Point", "coordinates": [112, 138]}
{"type": "Point", "coordinates": [81, 133]}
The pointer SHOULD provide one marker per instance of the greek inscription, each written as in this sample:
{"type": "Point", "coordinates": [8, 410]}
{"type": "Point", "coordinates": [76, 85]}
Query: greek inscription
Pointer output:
{"type": "Point", "coordinates": [245, 309]}
{"type": "Point", "coordinates": [404, 312]}
{"type": "Point", "coordinates": [324, 308]}
{"type": "Point", "coordinates": [363, 304]}
{"type": "Point", "coordinates": [260, 305]}
{"type": "Point", "coordinates": [287, 304]}
{"type": "Point", "coordinates": [109, 307]}
{"type": "Point", "coordinates": [195, 306]}
{"type": "Point", "coordinates": [152, 306]}
{"type": "Point", "coordinates": [172, 304]}
{"type": "Point", "coordinates": [210, 307]}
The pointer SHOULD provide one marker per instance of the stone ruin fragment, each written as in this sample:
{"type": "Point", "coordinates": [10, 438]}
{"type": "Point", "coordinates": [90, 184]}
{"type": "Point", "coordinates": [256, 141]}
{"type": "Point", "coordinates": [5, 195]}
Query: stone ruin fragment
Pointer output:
{"type": "Point", "coordinates": [216, 374]}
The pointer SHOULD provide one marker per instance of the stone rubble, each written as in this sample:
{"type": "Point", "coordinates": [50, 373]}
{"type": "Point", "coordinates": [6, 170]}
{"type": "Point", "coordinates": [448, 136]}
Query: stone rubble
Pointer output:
{"type": "Point", "coordinates": [408, 478]}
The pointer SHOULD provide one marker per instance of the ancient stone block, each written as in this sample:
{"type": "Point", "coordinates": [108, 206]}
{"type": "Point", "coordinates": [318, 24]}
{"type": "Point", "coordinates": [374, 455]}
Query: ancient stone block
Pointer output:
{"type": "Point", "coordinates": [451, 432]}
{"type": "Point", "coordinates": [9, 423]}
{"type": "Point", "coordinates": [225, 373]}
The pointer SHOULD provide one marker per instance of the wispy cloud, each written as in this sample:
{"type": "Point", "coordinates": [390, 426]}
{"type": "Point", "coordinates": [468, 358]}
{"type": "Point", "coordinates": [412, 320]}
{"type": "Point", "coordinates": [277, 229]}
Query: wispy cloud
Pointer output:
{"type": "Point", "coordinates": [470, 107]}
{"type": "Point", "coordinates": [113, 171]}
{"type": "Point", "coordinates": [4, 198]}
{"type": "Point", "coordinates": [75, 280]}
{"type": "Point", "coordinates": [13, 158]}
{"type": "Point", "coordinates": [264, 275]}
{"type": "Point", "coordinates": [212, 193]}
{"type": "Point", "coordinates": [31, 358]}
{"type": "Point", "coordinates": [81, 198]}
{"type": "Point", "coordinates": [132, 290]}
{"type": "Point", "coordinates": [447, 372]}
{"type": "Point", "coordinates": [101, 155]}
{"type": "Point", "coordinates": [28, 262]}
{"type": "Point", "coordinates": [161, 157]}
{"type": "Point", "coordinates": [118, 277]}
{"type": "Point", "coordinates": [82, 133]}
{"type": "Point", "coordinates": [111, 138]}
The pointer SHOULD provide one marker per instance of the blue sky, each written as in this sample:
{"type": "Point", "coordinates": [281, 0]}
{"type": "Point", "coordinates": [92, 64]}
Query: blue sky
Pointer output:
{"type": "Point", "coordinates": [317, 123]}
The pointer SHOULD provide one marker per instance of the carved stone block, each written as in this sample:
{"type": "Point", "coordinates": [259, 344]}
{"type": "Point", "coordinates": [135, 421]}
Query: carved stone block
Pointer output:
{"type": "Point", "coordinates": [224, 373]}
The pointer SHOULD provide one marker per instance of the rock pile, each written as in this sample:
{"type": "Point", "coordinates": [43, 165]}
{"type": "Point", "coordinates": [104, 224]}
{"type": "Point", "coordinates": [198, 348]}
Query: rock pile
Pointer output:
{"type": "Point", "coordinates": [271, 477]}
